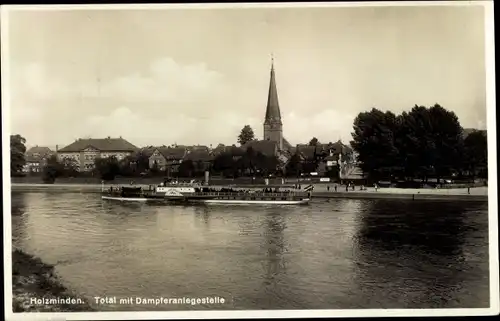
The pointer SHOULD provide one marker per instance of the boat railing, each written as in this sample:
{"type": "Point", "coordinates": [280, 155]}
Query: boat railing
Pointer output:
{"type": "Point", "coordinates": [256, 194]}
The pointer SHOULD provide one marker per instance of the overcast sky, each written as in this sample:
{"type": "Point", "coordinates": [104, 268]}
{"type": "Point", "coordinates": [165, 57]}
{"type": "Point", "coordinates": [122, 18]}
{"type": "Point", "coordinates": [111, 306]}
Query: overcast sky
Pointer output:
{"type": "Point", "coordinates": [198, 76]}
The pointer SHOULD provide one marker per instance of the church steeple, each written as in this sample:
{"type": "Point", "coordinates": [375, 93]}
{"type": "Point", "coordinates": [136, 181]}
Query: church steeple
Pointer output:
{"type": "Point", "coordinates": [273, 114]}
{"type": "Point", "coordinates": [273, 127]}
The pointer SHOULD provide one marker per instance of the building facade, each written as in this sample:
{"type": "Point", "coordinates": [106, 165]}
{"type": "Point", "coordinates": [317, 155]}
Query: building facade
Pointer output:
{"type": "Point", "coordinates": [36, 159]}
{"type": "Point", "coordinates": [83, 152]}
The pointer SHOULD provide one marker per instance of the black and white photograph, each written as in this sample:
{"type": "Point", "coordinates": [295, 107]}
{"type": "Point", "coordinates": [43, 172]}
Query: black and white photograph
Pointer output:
{"type": "Point", "coordinates": [249, 160]}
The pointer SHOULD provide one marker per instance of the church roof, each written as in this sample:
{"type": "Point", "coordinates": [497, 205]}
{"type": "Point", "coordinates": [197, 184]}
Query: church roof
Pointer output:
{"type": "Point", "coordinates": [266, 147]}
{"type": "Point", "coordinates": [273, 113]}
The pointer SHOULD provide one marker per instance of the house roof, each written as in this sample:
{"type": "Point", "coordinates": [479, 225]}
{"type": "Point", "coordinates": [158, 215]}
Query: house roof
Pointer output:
{"type": "Point", "coordinates": [219, 149]}
{"type": "Point", "coordinates": [198, 155]}
{"type": "Point", "coordinates": [287, 145]}
{"type": "Point", "coordinates": [148, 151]}
{"type": "Point", "coordinates": [306, 151]}
{"type": "Point", "coordinates": [172, 152]}
{"type": "Point", "coordinates": [266, 147]}
{"type": "Point", "coordinates": [198, 147]}
{"type": "Point", "coordinates": [33, 159]}
{"type": "Point", "coordinates": [102, 144]}
{"type": "Point", "coordinates": [40, 150]}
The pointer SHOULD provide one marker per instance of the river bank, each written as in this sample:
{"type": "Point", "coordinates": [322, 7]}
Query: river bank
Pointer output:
{"type": "Point", "coordinates": [320, 191]}
{"type": "Point", "coordinates": [36, 287]}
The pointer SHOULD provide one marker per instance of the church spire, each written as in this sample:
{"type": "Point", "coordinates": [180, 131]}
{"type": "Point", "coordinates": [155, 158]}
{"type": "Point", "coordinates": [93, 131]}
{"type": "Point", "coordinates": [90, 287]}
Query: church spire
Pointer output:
{"type": "Point", "coordinates": [273, 114]}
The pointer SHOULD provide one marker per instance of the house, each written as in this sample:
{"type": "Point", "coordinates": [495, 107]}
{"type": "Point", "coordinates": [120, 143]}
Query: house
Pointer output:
{"type": "Point", "coordinates": [198, 148]}
{"type": "Point", "coordinates": [84, 151]}
{"type": "Point", "coordinates": [233, 150]}
{"type": "Point", "coordinates": [167, 158]}
{"type": "Point", "coordinates": [201, 158]}
{"type": "Point", "coordinates": [221, 148]}
{"type": "Point", "coordinates": [36, 158]}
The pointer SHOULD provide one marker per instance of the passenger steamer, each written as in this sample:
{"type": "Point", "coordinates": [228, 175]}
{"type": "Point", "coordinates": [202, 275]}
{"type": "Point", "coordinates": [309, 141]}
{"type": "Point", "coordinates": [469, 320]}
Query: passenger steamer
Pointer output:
{"type": "Point", "coordinates": [174, 192]}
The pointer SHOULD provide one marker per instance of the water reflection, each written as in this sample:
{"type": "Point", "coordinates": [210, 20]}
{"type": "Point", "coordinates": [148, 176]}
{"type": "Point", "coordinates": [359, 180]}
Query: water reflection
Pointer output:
{"type": "Point", "coordinates": [18, 209]}
{"type": "Point", "coordinates": [203, 213]}
{"type": "Point", "coordinates": [419, 250]}
{"type": "Point", "coordinates": [336, 254]}
{"type": "Point", "coordinates": [273, 248]}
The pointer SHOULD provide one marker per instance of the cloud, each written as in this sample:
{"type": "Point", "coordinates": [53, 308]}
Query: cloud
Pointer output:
{"type": "Point", "coordinates": [166, 81]}
{"type": "Point", "coordinates": [328, 125]}
{"type": "Point", "coordinates": [164, 103]}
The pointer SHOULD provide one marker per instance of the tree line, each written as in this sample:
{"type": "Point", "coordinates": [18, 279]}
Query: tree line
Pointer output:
{"type": "Point", "coordinates": [422, 143]}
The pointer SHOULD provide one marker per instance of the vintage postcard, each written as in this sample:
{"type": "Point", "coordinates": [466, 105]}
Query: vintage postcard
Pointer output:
{"type": "Point", "coordinates": [249, 160]}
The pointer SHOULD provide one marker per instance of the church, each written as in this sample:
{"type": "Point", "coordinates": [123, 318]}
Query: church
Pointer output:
{"type": "Point", "coordinates": [273, 142]}
{"type": "Point", "coordinates": [273, 126]}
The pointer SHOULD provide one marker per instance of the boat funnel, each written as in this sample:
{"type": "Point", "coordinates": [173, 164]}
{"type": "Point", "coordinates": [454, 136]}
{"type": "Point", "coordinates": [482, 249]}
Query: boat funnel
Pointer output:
{"type": "Point", "coordinates": [207, 176]}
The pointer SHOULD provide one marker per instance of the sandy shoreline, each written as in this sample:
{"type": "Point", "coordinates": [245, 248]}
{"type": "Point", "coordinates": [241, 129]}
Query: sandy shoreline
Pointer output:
{"type": "Point", "coordinates": [320, 191]}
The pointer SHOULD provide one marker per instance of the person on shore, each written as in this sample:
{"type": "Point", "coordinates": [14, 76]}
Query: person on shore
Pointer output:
{"type": "Point", "coordinates": [347, 187]}
{"type": "Point", "coordinates": [335, 187]}
{"type": "Point", "coordinates": [353, 187]}
{"type": "Point", "coordinates": [468, 189]}
{"type": "Point", "coordinates": [376, 186]}
{"type": "Point", "coordinates": [328, 188]}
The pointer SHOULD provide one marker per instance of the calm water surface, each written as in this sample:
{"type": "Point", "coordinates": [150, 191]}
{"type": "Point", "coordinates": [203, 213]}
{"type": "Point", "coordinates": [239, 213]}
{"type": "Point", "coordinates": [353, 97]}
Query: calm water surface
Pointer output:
{"type": "Point", "coordinates": [336, 254]}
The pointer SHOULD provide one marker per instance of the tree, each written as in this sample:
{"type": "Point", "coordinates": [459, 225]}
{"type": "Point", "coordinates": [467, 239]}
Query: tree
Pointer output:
{"type": "Point", "coordinates": [186, 168]}
{"type": "Point", "coordinates": [223, 163]}
{"type": "Point", "coordinates": [141, 162]}
{"type": "Point", "coordinates": [67, 167]}
{"type": "Point", "coordinates": [448, 140]}
{"type": "Point", "coordinates": [108, 168]}
{"type": "Point", "coordinates": [294, 165]}
{"type": "Point", "coordinates": [373, 140]}
{"type": "Point", "coordinates": [313, 142]}
{"type": "Point", "coordinates": [246, 135]}
{"type": "Point", "coordinates": [420, 143]}
{"type": "Point", "coordinates": [128, 166]}
{"type": "Point", "coordinates": [155, 169]}
{"type": "Point", "coordinates": [475, 153]}
{"type": "Point", "coordinates": [51, 170]}
{"type": "Point", "coordinates": [17, 154]}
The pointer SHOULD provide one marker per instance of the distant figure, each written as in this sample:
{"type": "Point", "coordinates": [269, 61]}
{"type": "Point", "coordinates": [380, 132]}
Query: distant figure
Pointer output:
{"type": "Point", "coordinates": [468, 189]}
{"type": "Point", "coordinates": [347, 188]}
{"type": "Point", "coordinates": [328, 188]}
{"type": "Point", "coordinates": [376, 186]}
{"type": "Point", "coordinates": [300, 187]}
{"type": "Point", "coordinates": [353, 186]}
{"type": "Point", "coordinates": [335, 187]}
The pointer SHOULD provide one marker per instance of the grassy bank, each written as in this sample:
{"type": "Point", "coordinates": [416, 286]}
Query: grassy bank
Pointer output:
{"type": "Point", "coordinates": [34, 281]}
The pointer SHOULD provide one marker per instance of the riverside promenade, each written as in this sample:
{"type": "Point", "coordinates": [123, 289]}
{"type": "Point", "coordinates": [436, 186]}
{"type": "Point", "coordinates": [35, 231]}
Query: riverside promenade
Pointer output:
{"type": "Point", "coordinates": [320, 191]}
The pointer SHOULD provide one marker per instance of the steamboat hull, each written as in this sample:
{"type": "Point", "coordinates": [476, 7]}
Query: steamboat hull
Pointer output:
{"type": "Point", "coordinates": [194, 195]}
{"type": "Point", "coordinates": [206, 200]}
{"type": "Point", "coordinates": [254, 202]}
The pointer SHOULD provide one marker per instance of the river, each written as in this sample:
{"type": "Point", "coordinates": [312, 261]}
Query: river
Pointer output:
{"type": "Point", "coordinates": [331, 254]}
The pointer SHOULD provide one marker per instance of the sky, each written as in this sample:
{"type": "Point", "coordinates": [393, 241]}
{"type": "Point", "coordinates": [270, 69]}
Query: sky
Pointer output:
{"type": "Point", "coordinates": [197, 76]}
